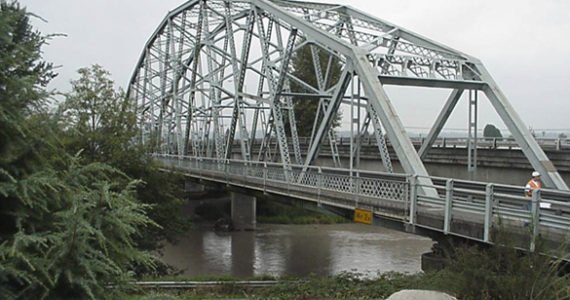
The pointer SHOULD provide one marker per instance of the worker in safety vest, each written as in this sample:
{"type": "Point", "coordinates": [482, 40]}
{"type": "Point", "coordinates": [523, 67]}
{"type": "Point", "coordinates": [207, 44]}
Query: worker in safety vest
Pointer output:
{"type": "Point", "coordinates": [533, 184]}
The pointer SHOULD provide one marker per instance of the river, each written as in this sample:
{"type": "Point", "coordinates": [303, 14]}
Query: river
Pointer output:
{"type": "Point", "coordinates": [296, 250]}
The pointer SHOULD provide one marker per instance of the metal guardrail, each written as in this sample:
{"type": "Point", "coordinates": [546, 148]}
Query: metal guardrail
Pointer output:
{"type": "Point", "coordinates": [397, 195]}
{"type": "Point", "coordinates": [495, 143]}
{"type": "Point", "coordinates": [458, 142]}
{"type": "Point", "coordinates": [203, 284]}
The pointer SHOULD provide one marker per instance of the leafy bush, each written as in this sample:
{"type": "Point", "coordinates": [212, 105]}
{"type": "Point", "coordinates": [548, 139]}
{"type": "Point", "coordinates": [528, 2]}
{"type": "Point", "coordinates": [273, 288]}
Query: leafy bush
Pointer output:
{"type": "Point", "coordinates": [503, 272]}
{"type": "Point", "coordinates": [66, 228]}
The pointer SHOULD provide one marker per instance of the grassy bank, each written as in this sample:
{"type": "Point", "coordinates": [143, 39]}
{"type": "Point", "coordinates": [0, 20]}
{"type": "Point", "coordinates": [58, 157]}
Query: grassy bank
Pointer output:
{"type": "Point", "coordinates": [344, 286]}
{"type": "Point", "coordinates": [271, 212]}
{"type": "Point", "coordinates": [476, 273]}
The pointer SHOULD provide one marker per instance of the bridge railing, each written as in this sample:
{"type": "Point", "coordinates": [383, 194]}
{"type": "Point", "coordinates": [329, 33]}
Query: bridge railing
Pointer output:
{"type": "Point", "coordinates": [479, 203]}
{"type": "Point", "coordinates": [545, 211]}
{"type": "Point", "coordinates": [447, 142]}
{"type": "Point", "coordinates": [355, 185]}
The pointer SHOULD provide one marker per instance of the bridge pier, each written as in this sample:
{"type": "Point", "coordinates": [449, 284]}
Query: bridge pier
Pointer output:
{"type": "Point", "coordinates": [243, 211]}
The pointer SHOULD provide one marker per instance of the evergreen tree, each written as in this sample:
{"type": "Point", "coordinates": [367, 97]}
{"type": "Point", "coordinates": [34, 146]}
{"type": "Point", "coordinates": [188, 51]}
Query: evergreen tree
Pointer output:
{"type": "Point", "coordinates": [303, 68]}
{"type": "Point", "coordinates": [66, 229]}
{"type": "Point", "coordinates": [490, 131]}
{"type": "Point", "coordinates": [100, 122]}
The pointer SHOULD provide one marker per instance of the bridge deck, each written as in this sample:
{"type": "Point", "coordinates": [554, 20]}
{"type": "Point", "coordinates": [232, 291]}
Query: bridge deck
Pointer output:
{"type": "Point", "coordinates": [462, 208]}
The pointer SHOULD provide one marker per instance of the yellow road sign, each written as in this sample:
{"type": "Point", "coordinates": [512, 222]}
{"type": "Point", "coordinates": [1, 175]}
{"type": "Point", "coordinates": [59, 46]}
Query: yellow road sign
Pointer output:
{"type": "Point", "coordinates": [362, 216]}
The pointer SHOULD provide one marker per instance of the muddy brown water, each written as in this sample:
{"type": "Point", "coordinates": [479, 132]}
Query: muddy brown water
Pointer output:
{"type": "Point", "coordinates": [296, 250]}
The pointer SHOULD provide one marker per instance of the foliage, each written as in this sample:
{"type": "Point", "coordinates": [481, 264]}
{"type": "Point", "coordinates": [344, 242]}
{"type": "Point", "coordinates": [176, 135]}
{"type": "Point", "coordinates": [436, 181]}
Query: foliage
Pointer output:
{"type": "Point", "coordinates": [502, 272]}
{"type": "Point", "coordinates": [303, 68]}
{"type": "Point", "coordinates": [100, 122]}
{"type": "Point", "coordinates": [22, 76]}
{"type": "Point", "coordinates": [562, 135]}
{"type": "Point", "coordinates": [478, 272]}
{"type": "Point", "coordinates": [66, 229]}
{"type": "Point", "coordinates": [490, 131]}
{"type": "Point", "coordinates": [276, 213]}
{"type": "Point", "coordinates": [75, 233]}
{"type": "Point", "coordinates": [343, 286]}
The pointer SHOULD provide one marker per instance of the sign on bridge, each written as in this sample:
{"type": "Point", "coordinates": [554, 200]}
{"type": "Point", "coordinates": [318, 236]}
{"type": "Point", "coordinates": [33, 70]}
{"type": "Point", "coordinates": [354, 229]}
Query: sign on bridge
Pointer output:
{"type": "Point", "coordinates": [363, 216]}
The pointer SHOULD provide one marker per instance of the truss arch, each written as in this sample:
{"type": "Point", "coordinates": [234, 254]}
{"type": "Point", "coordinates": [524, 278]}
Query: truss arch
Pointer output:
{"type": "Point", "coordinates": [217, 72]}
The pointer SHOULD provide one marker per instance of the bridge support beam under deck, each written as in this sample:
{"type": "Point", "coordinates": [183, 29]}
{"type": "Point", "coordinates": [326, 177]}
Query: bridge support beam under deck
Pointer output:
{"type": "Point", "coordinates": [243, 211]}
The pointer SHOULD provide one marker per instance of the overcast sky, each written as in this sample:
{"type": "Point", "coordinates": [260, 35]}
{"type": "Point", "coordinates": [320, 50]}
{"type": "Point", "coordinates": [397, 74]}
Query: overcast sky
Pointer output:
{"type": "Point", "coordinates": [525, 44]}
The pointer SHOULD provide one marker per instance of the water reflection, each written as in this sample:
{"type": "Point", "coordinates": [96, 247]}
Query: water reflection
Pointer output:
{"type": "Point", "coordinates": [297, 250]}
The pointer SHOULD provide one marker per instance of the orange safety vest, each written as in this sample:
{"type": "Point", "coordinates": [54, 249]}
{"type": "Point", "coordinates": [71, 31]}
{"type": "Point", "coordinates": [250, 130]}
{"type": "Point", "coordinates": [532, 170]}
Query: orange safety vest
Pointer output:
{"type": "Point", "coordinates": [531, 185]}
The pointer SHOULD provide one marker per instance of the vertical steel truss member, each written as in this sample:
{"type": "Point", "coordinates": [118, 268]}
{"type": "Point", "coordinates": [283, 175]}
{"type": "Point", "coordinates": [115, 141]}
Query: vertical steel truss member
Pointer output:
{"type": "Point", "coordinates": [169, 76]}
{"type": "Point", "coordinates": [276, 85]}
{"type": "Point", "coordinates": [380, 140]}
{"type": "Point", "coordinates": [239, 79]}
{"type": "Point", "coordinates": [196, 61]}
{"type": "Point", "coordinates": [328, 117]}
{"type": "Point", "coordinates": [260, 112]}
{"type": "Point", "coordinates": [472, 135]}
{"type": "Point", "coordinates": [290, 106]}
{"type": "Point", "coordinates": [321, 82]}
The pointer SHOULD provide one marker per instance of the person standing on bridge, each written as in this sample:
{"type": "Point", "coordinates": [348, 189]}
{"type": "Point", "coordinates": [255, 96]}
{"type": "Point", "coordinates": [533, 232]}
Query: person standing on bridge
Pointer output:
{"type": "Point", "coordinates": [533, 184]}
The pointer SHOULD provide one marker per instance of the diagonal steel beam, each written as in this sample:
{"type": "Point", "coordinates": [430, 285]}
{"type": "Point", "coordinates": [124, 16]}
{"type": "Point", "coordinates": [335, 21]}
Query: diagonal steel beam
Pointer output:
{"type": "Point", "coordinates": [239, 77]}
{"type": "Point", "coordinates": [328, 117]}
{"type": "Point", "coordinates": [440, 121]}
{"type": "Point", "coordinates": [522, 135]}
{"type": "Point", "coordinates": [193, 80]}
{"type": "Point", "coordinates": [377, 97]}
{"type": "Point", "coordinates": [276, 85]}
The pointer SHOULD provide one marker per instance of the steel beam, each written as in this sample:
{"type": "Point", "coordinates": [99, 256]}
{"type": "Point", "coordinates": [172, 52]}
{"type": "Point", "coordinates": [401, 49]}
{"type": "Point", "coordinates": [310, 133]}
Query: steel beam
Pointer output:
{"type": "Point", "coordinates": [440, 121]}
{"type": "Point", "coordinates": [377, 97]}
{"type": "Point", "coordinates": [239, 77]}
{"type": "Point", "coordinates": [522, 135]}
{"type": "Point", "coordinates": [431, 82]}
{"type": "Point", "coordinates": [194, 74]}
{"type": "Point", "coordinates": [332, 108]}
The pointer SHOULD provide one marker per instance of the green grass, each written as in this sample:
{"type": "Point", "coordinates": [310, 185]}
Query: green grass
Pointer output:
{"type": "Point", "coordinates": [343, 286]}
{"type": "Point", "coordinates": [263, 277]}
{"type": "Point", "coordinates": [476, 273]}
{"type": "Point", "coordinates": [271, 212]}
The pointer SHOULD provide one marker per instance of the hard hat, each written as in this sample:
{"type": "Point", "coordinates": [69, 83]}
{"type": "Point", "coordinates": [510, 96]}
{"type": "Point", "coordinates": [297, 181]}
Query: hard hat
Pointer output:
{"type": "Point", "coordinates": [535, 174]}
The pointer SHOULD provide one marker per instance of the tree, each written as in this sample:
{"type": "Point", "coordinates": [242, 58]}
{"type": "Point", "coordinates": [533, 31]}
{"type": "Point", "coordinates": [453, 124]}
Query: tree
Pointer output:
{"type": "Point", "coordinates": [490, 131]}
{"type": "Point", "coordinates": [99, 121]}
{"type": "Point", "coordinates": [562, 135]}
{"type": "Point", "coordinates": [303, 68]}
{"type": "Point", "coordinates": [66, 228]}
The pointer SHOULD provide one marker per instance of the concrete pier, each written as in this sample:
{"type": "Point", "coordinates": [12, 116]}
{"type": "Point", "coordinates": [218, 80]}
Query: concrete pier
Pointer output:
{"type": "Point", "coordinates": [243, 211]}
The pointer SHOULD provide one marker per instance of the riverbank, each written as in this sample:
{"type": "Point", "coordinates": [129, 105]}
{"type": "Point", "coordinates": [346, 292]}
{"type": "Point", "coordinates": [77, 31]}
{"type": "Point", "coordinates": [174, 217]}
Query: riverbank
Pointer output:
{"type": "Point", "coordinates": [476, 272]}
{"type": "Point", "coordinates": [343, 286]}
{"type": "Point", "coordinates": [268, 212]}
{"type": "Point", "coordinates": [271, 212]}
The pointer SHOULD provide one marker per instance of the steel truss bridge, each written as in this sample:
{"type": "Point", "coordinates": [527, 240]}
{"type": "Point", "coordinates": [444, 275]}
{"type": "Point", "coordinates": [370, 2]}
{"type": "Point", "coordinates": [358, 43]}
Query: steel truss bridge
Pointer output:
{"type": "Point", "coordinates": [217, 72]}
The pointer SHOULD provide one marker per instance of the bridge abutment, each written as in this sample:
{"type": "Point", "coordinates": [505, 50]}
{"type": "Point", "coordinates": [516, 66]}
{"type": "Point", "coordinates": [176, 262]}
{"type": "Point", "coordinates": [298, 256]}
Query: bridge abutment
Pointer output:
{"type": "Point", "coordinates": [243, 211]}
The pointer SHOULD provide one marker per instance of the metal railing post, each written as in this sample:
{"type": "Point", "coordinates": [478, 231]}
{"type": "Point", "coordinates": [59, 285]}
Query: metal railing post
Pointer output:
{"type": "Point", "coordinates": [535, 217]}
{"type": "Point", "coordinates": [264, 177]}
{"type": "Point", "coordinates": [357, 188]}
{"type": "Point", "coordinates": [413, 199]}
{"type": "Point", "coordinates": [200, 163]}
{"type": "Point", "coordinates": [489, 199]}
{"type": "Point", "coordinates": [448, 205]}
{"type": "Point", "coordinates": [319, 185]}
{"type": "Point", "coordinates": [227, 167]}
